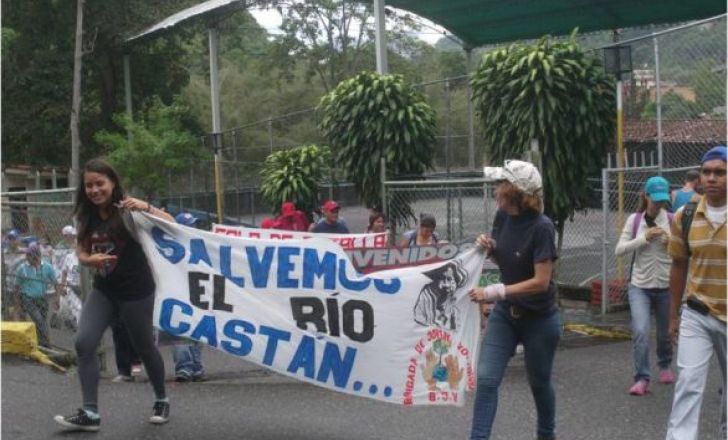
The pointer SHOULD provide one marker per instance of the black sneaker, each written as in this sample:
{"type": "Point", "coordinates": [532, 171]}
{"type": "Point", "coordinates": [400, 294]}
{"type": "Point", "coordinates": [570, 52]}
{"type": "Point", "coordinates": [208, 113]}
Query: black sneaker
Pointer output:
{"type": "Point", "coordinates": [160, 413]}
{"type": "Point", "coordinates": [182, 376]}
{"type": "Point", "coordinates": [79, 422]}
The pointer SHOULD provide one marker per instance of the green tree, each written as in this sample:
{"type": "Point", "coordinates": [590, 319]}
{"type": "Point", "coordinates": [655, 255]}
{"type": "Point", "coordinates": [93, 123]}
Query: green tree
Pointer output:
{"type": "Point", "coordinates": [372, 117]}
{"type": "Point", "coordinates": [673, 106]}
{"type": "Point", "coordinates": [294, 175]}
{"type": "Point", "coordinates": [332, 38]}
{"type": "Point", "coordinates": [559, 95]}
{"type": "Point", "coordinates": [708, 82]}
{"type": "Point", "coordinates": [160, 142]}
{"type": "Point", "coordinates": [37, 71]}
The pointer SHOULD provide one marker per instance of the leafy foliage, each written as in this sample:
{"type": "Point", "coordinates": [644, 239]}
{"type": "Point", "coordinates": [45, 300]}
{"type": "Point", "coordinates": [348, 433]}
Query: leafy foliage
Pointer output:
{"type": "Point", "coordinates": [555, 93]}
{"type": "Point", "coordinates": [673, 106]}
{"type": "Point", "coordinates": [294, 175]}
{"type": "Point", "coordinates": [373, 116]}
{"type": "Point", "coordinates": [37, 72]}
{"type": "Point", "coordinates": [160, 143]}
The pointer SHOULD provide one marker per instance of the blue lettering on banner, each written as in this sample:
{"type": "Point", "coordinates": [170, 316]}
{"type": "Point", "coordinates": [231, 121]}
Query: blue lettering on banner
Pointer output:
{"type": "Point", "coordinates": [305, 357]}
{"type": "Point", "coordinates": [206, 329]}
{"type": "Point", "coordinates": [259, 267]}
{"type": "Point", "coordinates": [332, 363]}
{"type": "Point", "coordinates": [165, 316]}
{"type": "Point", "coordinates": [285, 267]}
{"type": "Point", "coordinates": [350, 284]}
{"type": "Point", "coordinates": [231, 331]}
{"type": "Point", "coordinates": [238, 342]}
{"type": "Point", "coordinates": [390, 287]}
{"type": "Point", "coordinates": [198, 252]}
{"type": "Point", "coordinates": [313, 267]}
{"type": "Point", "coordinates": [169, 249]}
{"type": "Point", "coordinates": [273, 336]}
{"type": "Point", "coordinates": [226, 266]}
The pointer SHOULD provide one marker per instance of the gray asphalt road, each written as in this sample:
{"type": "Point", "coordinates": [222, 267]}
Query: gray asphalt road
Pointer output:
{"type": "Point", "coordinates": [244, 402]}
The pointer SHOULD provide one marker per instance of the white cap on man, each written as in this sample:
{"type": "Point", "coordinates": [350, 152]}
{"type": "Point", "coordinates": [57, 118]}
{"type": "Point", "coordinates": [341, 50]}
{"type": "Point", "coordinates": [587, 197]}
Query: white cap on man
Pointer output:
{"type": "Point", "coordinates": [68, 230]}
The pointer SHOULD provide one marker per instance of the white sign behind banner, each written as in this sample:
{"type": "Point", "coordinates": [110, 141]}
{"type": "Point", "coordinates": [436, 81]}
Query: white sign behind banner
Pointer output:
{"type": "Point", "coordinates": [407, 336]}
{"type": "Point", "coordinates": [346, 241]}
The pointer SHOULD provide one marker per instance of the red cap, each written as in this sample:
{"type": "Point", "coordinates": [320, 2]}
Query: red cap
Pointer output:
{"type": "Point", "coordinates": [267, 223]}
{"type": "Point", "coordinates": [330, 205]}
{"type": "Point", "coordinates": [288, 209]}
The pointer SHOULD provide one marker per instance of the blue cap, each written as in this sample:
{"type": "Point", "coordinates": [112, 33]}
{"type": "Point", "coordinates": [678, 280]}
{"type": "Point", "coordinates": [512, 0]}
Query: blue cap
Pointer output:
{"type": "Point", "coordinates": [29, 239]}
{"type": "Point", "coordinates": [13, 233]}
{"type": "Point", "coordinates": [715, 153]}
{"type": "Point", "coordinates": [185, 218]}
{"type": "Point", "coordinates": [657, 189]}
{"type": "Point", "coordinates": [33, 249]}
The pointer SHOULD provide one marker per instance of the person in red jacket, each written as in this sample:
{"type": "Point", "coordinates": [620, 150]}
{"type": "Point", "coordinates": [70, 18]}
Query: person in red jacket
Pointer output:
{"type": "Point", "coordinates": [291, 219]}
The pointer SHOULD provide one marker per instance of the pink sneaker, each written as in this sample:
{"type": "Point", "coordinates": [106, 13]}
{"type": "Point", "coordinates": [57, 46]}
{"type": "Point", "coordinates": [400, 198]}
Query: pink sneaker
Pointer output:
{"type": "Point", "coordinates": [639, 388]}
{"type": "Point", "coordinates": [666, 376]}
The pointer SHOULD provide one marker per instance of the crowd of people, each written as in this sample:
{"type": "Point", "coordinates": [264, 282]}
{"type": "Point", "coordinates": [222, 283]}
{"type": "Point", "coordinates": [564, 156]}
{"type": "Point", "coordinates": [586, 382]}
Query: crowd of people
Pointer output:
{"type": "Point", "coordinates": [678, 270]}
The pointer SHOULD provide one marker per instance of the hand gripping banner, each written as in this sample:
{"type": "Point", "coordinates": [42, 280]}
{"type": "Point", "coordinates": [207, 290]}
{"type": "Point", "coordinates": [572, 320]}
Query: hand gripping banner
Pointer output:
{"type": "Point", "coordinates": [298, 307]}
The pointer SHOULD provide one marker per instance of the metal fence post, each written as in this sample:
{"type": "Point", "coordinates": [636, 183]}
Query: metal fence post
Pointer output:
{"type": "Point", "coordinates": [658, 104]}
{"type": "Point", "coordinates": [383, 174]}
{"type": "Point", "coordinates": [605, 238]}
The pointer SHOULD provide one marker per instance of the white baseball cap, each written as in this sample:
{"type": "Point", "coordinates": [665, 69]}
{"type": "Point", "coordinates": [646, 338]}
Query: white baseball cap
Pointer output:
{"type": "Point", "coordinates": [523, 175]}
{"type": "Point", "coordinates": [68, 230]}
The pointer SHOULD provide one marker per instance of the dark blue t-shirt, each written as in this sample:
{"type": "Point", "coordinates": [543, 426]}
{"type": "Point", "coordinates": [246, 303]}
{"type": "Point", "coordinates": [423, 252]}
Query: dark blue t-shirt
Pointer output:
{"type": "Point", "coordinates": [522, 241]}
{"type": "Point", "coordinates": [328, 228]}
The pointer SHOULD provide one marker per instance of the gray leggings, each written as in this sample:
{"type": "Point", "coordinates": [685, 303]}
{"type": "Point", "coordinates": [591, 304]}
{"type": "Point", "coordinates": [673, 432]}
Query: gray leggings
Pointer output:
{"type": "Point", "coordinates": [98, 313]}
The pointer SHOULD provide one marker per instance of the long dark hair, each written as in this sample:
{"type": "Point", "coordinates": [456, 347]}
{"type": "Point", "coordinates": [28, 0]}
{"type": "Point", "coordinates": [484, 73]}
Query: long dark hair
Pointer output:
{"type": "Point", "coordinates": [373, 217]}
{"type": "Point", "coordinates": [85, 210]}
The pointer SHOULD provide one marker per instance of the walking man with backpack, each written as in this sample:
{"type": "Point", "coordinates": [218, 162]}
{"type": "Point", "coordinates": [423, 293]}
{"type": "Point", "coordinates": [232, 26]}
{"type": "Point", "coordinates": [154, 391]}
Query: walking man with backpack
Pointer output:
{"type": "Point", "coordinates": [698, 251]}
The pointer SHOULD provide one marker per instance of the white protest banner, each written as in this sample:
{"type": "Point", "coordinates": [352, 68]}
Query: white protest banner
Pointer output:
{"type": "Point", "coordinates": [298, 307]}
{"type": "Point", "coordinates": [346, 241]}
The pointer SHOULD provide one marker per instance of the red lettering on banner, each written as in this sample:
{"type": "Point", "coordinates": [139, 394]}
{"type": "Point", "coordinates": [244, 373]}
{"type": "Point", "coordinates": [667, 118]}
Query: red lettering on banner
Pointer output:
{"type": "Point", "coordinates": [438, 334]}
{"type": "Point", "coordinates": [420, 347]}
{"type": "Point", "coordinates": [380, 241]}
{"type": "Point", "coordinates": [463, 351]}
{"type": "Point", "coordinates": [254, 235]}
{"type": "Point", "coordinates": [471, 377]}
{"type": "Point", "coordinates": [346, 242]}
{"type": "Point", "coordinates": [280, 236]}
{"type": "Point", "coordinates": [409, 384]}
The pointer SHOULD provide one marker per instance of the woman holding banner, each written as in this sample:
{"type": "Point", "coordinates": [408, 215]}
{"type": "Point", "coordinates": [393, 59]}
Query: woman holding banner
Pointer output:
{"type": "Point", "coordinates": [522, 245]}
{"type": "Point", "coordinates": [123, 288]}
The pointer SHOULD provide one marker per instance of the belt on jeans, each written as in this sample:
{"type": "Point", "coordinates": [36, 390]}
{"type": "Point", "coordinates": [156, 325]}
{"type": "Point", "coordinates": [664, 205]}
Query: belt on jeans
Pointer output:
{"type": "Point", "coordinates": [518, 312]}
{"type": "Point", "coordinates": [697, 305]}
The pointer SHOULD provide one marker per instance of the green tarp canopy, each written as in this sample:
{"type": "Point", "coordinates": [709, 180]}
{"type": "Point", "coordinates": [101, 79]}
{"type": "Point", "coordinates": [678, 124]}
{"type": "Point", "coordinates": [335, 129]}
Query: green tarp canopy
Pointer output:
{"type": "Point", "coordinates": [478, 22]}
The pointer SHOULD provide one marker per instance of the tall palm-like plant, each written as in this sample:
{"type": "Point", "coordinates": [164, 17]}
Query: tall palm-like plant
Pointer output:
{"type": "Point", "coordinates": [373, 116]}
{"type": "Point", "coordinates": [559, 95]}
{"type": "Point", "coordinates": [294, 175]}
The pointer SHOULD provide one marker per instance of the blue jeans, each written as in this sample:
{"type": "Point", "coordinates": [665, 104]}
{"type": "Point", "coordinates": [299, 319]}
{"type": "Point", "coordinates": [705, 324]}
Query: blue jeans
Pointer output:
{"type": "Point", "coordinates": [540, 336]}
{"type": "Point", "coordinates": [188, 359]}
{"type": "Point", "coordinates": [641, 301]}
{"type": "Point", "coordinates": [37, 308]}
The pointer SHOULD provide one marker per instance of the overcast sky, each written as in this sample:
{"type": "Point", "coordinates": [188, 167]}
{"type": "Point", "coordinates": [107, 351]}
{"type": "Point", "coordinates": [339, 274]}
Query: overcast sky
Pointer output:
{"type": "Point", "coordinates": [270, 19]}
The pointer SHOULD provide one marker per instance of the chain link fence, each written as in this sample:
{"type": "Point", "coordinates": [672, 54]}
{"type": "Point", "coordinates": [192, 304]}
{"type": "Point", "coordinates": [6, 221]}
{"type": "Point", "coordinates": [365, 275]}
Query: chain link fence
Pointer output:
{"type": "Point", "coordinates": [674, 98]}
{"type": "Point", "coordinates": [37, 293]}
{"type": "Point", "coordinates": [458, 206]}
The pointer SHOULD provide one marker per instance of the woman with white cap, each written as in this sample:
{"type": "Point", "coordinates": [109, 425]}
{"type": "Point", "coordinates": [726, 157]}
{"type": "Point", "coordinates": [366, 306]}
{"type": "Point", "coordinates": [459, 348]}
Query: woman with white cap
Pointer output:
{"type": "Point", "coordinates": [522, 245]}
{"type": "Point", "coordinates": [646, 234]}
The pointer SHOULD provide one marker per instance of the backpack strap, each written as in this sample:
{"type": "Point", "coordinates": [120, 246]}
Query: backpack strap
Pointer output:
{"type": "Point", "coordinates": [636, 223]}
{"type": "Point", "coordinates": [686, 221]}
